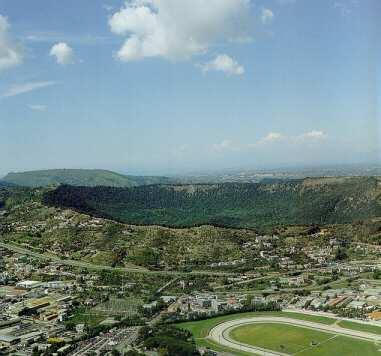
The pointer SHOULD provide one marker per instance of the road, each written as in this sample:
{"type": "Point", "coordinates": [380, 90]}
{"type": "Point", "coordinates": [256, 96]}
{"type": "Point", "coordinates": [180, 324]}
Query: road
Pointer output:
{"type": "Point", "coordinates": [247, 281]}
{"type": "Point", "coordinates": [86, 265]}
{"type": "Point", "coordinates": [167, 285]}
{"type": "Point", "coordinates": [221, 332]}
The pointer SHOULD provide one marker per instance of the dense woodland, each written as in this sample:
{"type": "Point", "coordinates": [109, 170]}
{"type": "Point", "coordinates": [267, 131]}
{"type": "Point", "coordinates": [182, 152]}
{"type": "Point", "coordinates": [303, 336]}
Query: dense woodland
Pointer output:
{"type": "Point", "coordinates": [255, 205]}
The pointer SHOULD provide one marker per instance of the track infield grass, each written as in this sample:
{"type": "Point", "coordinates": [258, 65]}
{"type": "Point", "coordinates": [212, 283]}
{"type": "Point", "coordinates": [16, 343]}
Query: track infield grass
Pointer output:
{"type": "Point", "coordinates": [340, 345]}
{"type": "Point", "coordinates": [302, 341]}
{"type": "Point", "coordinates": [201, 328]}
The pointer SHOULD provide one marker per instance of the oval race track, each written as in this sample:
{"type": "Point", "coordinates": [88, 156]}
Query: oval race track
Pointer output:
{"type": "Point", "coordinates": [221, 332]}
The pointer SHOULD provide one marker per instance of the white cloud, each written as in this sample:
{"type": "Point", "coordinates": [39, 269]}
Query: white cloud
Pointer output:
{"type": "Point", "coordinates": [11, 53]}
{"type": "Point", "coordinates": [273, 140]}
{"type": "Point", "coordinates": [271, 137]}
{"type": "Point", "coordinates": [177, 30]}
{"type": "Point", "coordinates": [63, 52]}
{"type": "Point", "coordinates": [313, 135]}
{"type": "Point", "coordinates": [267, 16]}
{"type": "Point", "coordinates": [37, 107]}
{"type": "Point", "coordinates": [223, 63]}
{"type": "Point", "coordinates": [18, 89]}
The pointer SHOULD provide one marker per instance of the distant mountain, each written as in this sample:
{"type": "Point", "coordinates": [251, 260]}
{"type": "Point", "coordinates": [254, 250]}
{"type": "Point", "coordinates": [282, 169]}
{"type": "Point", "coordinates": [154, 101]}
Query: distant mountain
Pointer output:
{"type": "Point", "coordinates": [80, 177]}
{"type": "Point", "coordinates": [249, 205]}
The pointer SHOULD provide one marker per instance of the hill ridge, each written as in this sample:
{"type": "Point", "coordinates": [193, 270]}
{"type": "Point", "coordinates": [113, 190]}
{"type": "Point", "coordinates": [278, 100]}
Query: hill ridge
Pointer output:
{"type": "Point", "coordinates": [79, 177]}
{"type": "Point", "coordinates": [249, 205]}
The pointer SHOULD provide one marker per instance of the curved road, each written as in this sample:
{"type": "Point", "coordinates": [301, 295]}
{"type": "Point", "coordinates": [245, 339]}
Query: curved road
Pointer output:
{"type": "Point", "coordinates": [221, 333]}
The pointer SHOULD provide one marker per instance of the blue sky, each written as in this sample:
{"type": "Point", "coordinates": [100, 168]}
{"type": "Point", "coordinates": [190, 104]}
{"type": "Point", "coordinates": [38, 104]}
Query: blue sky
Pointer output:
{"type": "Point", "coordinates": [169, 86]}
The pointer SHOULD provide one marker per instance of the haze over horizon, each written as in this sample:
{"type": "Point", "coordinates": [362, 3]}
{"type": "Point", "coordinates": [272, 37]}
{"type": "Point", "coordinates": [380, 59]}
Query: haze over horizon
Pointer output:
{"type": "Point", "coordinates": [163, 86]}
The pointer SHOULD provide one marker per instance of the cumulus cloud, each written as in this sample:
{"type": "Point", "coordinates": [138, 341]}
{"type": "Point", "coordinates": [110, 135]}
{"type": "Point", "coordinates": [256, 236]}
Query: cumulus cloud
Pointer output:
{"type": "Point", "coordinates": [63, 52]}
{"type": "Point", "coordinates": [267, 16]}
{"type": "Point", "coordinates": [18, 89]}
{"type": "Point", "coordinates": [223, 63]}
{"type": "Point", "coordinates": [37, 107]}
{"type": "Point", "coordinates": [11, 53]}
{"type": "Point", "coordinates": [177, 30]}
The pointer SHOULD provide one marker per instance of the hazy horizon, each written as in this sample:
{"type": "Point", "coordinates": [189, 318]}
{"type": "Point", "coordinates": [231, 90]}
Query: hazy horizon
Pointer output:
{"type": "Point", "coordinates": [353, 167]}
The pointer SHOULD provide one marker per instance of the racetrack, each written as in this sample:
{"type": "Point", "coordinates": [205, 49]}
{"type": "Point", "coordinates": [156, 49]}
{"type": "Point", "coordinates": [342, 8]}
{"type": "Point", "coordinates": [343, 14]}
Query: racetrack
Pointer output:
{"type": "Point", "coordinates": [221, 333]}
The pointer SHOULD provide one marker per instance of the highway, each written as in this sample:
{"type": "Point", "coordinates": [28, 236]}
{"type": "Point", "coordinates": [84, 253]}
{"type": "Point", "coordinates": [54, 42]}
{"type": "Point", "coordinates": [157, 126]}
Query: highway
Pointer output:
{"type": "Point", "coordinates": [221, 332]}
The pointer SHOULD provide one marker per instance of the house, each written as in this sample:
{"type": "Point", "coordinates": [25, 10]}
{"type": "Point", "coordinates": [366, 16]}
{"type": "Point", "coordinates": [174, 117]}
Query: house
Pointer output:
{"type": "Point", "coordinates": [8, 340]}
{"type": "Point", "coordinates": [356, 304]}
{"type": "Point", "coordinates": [376, 315]}
{"type": "Point", "coordinates": [28, 284]}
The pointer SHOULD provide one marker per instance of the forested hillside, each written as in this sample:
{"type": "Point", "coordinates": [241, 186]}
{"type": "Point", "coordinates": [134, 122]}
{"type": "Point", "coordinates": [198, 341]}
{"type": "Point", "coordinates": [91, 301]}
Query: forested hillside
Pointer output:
{"type": "Point", "coordinates": [4, 184]}
{"type": "Point", "coordinates": [308, 201]}
{"type": "Point", "coordinates": [80, 177]}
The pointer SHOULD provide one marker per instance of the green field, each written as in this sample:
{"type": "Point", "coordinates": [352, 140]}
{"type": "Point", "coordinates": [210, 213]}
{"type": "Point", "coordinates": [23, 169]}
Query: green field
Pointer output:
{"type": "Point", "coordinates": [279, 337]}
{"type": "Point", "coordinates": [200, 329]}
{"type": "Point", "coordinates": [339, 346]}
{"type": "Point", "coordinates": [302, 341]}
{"type": "Point", "coordinates": [87, 316]}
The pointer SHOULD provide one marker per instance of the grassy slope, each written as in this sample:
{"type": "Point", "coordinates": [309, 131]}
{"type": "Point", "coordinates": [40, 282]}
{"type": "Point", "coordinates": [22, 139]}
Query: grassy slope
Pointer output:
{"type": "Point", "coordinates": [79, 177]}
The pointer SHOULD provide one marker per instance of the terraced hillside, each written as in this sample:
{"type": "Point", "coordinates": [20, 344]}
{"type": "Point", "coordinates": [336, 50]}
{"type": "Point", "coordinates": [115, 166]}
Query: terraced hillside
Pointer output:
{"type": "Point", "coordinates": [308, 201]}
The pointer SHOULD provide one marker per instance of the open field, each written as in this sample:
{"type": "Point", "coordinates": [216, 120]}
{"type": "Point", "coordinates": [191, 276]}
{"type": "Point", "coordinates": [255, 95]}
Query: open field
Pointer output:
{"type": "Point", "coordinates": [360, 327]}
{"type": "Point", "coordinates": [339, 345]}
{"type": "Point", "coordinates": [303, 341]}
{"type": "Point", "coordinates": [201, 328]}
{"type": "Point", "coordinates": [87, 316]}
{"type": "Point", "coordinates": [279, 337]}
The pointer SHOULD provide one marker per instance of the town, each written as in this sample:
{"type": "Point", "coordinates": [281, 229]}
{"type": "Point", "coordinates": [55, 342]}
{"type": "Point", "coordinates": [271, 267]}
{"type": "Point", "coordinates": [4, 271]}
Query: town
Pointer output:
{"type": "Point", "coordinates": [51, 304]}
